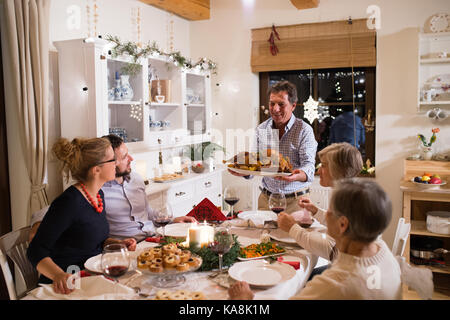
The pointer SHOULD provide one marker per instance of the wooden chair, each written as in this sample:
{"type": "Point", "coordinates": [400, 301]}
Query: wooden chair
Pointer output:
{"type": "Point", "coordinates": [401, 237]}
{"type": "Point", "coordinates": [14, 246]}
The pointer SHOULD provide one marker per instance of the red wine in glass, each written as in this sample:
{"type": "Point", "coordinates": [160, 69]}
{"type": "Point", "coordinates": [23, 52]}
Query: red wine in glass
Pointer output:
{"type": "Point", "coordinates": [161, 222]}
{"type": "Point", "coordinates": [277, 210]}
{"type": "Point", "coordinates": [115, 271]}
{"type": "Point", "coordinates": [231, 201]}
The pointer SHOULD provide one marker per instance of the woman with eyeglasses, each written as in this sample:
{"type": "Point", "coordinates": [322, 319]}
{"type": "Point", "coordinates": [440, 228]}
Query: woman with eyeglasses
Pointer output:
{"type": "Point", "coordinates": [75, 227]}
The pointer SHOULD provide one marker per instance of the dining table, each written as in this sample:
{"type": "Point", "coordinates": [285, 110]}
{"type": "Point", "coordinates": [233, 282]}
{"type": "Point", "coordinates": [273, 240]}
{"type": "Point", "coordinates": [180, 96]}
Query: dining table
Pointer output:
{"type": "Point", "coordinates": [213, 285]}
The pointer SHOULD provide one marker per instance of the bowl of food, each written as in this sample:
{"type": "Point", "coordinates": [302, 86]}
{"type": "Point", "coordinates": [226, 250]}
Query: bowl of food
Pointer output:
{"type": "Point", "coordinates": [428, 180]}
{"type": "Point", "coordinates": [198, 167]}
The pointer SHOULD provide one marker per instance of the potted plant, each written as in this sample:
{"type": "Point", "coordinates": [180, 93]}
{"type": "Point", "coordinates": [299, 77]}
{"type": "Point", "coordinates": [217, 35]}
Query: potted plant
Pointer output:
{"type": "Point", "coordinates": [199, 153]}
{"type": "Point", "coordinates": [427, 150]}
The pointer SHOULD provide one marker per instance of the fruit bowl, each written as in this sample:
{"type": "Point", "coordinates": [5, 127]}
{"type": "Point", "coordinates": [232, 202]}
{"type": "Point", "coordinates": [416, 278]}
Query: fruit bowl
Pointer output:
{"type": "Point", "coordinates": [426, 185]}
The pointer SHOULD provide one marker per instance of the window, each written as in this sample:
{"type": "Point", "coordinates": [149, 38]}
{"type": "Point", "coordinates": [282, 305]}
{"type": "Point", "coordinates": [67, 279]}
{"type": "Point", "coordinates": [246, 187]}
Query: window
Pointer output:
{"type": "Point", "coordinates": [335, 121]}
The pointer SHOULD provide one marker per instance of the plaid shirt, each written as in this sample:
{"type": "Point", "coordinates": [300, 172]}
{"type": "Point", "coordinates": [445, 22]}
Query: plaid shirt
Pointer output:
{"type": "Point", "coordinates": [298, 143]}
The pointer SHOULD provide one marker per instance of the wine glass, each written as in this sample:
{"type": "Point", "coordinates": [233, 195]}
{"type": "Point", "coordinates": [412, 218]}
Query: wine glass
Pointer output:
{"type": "Point", "coordinates": [223, 241]}
{"type": "Point", "coordinates": [163, 218]}
{"type": "Point", "coordinates": [231, 197]}
{"type": "Point", "coordinates": [115, 261]}
{"type": "Point", "coordinates": [277, 202]}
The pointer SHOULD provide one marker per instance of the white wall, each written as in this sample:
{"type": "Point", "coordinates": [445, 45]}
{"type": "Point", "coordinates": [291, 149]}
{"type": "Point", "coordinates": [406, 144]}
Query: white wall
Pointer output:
{"type": "Point", "coordinates": [115, 18]}
{"type": "Point", "coordinates": [237, 99]}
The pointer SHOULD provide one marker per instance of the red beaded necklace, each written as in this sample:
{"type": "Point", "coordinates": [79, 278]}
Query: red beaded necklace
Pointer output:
{"type": "Point", "coordinates": [98, 208]}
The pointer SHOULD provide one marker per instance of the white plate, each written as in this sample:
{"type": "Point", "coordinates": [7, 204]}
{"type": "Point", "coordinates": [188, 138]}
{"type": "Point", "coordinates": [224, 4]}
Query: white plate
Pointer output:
{"type": "Point", "coordinates": [260, 173]}
{"type": "Point", "coordinates": [261, 273]}
{"type": "Point", "coordinates": [281, 236]}
{"type": "Point", "coordinates": [440, 23]}
{"type": "Point", "coordinates": [428, 185]}
{"type": "Point", "coordinates": [93, 264]}
{"type": "Point", "coordinates": [257, 215]}
{"type": "Point", "coordinates": [176, 230]}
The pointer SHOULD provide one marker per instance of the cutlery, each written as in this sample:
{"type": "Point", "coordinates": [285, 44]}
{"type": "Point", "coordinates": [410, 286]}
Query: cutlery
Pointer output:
{"type": "Point", "coordinates": [141, 294]}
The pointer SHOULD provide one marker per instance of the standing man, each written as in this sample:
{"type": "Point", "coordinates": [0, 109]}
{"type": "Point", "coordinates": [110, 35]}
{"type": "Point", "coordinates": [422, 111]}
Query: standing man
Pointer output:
{"type": "Point", "coordinates": [293, 138]}
{"type": "Point", "coordinates": [127, 210]}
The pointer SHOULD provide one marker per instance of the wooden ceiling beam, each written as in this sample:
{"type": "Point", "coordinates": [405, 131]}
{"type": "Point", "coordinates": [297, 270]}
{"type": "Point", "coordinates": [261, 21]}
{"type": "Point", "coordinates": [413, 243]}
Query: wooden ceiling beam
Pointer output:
{"type": "Point", "coordinates": [305, 4]}
{"type": "Point", "coordinates": [192, 10]}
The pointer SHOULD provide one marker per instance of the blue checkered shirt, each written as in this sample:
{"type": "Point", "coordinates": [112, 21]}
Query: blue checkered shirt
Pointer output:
{"type": "Point", "coordinates": [298, 143]}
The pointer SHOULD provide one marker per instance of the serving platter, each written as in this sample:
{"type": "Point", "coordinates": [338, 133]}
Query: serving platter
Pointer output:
{"type": "Point", "coordinates": [264, 173]}
{"type": "Point", "coordinates": [260, 273]}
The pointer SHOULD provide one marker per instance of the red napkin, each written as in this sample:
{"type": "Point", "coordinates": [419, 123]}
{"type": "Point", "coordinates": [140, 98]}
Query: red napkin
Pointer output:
{"type": "Point", "coordinates": [295, 264]}
{"type": "Point", "coordinates": [206, 211]}
{"type": "Point", "coordinates": [154, 239]}
{"type": "Point", "coordinates": [84, 273]}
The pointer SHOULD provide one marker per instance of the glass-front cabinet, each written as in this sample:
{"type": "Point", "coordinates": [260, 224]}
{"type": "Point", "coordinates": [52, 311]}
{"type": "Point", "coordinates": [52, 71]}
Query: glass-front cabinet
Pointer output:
{"type": "Point", "coordinates": [153, 104]}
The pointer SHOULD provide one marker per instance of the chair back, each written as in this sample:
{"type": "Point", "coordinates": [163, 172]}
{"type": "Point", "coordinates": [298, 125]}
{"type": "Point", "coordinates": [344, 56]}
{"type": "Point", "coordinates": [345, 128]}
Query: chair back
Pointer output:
{"type": "Point", "coordinates": [14, 245]}
{"type": "Point", "coordinates": [401, 237]}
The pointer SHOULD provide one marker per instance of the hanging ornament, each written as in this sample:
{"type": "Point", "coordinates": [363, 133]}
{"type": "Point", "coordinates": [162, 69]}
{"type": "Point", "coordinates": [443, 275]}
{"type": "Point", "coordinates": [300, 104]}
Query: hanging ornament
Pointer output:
{"type": "Point", "coordinates": [136, 112]}
{"type": "Point", "coordinates": [95, 19]}
{"type": "Point", "coordinates": [273, 46]}
{"type": "Point", "coordinates": [310, 110]}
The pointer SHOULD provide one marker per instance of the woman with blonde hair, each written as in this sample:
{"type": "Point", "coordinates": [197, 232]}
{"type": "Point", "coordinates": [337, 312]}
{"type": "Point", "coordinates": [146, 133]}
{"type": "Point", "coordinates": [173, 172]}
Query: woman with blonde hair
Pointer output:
{"type": "Point", "coordinates": [338, 161]}
{"type": "Point", "coordinates": [75, 227]}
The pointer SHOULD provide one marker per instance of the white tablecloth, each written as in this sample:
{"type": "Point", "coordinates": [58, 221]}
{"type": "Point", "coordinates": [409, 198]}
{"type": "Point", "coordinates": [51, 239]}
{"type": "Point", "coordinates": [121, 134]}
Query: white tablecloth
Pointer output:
{"type": "Point", "coordinates": [199, 281]}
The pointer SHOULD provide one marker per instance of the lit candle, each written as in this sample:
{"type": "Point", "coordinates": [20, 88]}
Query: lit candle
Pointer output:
{"type": "Point", "coordinates": [200, 235]}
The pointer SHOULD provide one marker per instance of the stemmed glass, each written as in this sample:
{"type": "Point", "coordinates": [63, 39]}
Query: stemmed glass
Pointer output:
{"type": "Point", "coordinates": [223, 241]}
{"type": "Point", "coordinates": [163, 218]}
{"type": "Point", "coordinates": [115, 261]}
{"type": "Point", "coordinates": [231, 197]}
{"type": "Point", "coordinates": [277, 202]}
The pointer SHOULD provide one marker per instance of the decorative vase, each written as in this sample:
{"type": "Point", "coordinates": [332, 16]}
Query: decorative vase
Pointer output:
{"type": "Point", "coordinates": [125, 88]}
{"type": "Point", "coordinates": [427, 153]}
{"type": "Point", "coordinates": [117, 91]}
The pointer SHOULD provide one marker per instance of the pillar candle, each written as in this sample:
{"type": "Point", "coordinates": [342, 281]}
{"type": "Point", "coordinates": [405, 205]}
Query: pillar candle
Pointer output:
{"type": "Point", "coordinates": [200, 235]}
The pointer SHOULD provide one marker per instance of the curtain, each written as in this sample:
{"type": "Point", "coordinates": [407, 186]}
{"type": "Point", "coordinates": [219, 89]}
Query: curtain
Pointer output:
{"type": "Point", "coordinates": [26, 35]}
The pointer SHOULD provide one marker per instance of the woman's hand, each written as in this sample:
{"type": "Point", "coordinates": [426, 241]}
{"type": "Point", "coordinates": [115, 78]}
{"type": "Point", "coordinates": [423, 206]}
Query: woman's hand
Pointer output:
{"type": "Point", "coordinates": [240, 291]}
{"type": "Point", "coordinates": [184, 219]}
{"type": "Point", "coordinates": [130, 243]}
{"type": "Point", "coordinates": [305, 203]}
{"type": "Point", "coordinates": [285, 221]}
{"type": "Point", "coordinates": [60, 283]}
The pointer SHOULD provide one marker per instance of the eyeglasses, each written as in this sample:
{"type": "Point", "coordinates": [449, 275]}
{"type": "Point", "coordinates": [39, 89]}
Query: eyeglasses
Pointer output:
{"type": "Point", "coordinates": [103, 162]}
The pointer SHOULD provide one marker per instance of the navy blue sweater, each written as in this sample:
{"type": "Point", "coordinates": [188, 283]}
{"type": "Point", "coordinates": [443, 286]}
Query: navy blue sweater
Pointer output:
{"type": "Point", "coordinates": [70, 233]}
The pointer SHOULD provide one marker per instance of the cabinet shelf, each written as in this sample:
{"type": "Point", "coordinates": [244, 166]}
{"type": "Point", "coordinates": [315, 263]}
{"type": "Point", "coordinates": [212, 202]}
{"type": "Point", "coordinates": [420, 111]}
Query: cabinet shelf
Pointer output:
{"type": "Point", "coordinates": [165, 104]}
{"type": "Point", "coordinates": [434, 60]}
{"type": "Point", "coordinates": [195, 105]}
{"type": "Point", "coordinates": [445, 270]}
{"type": "Point", "coordinates": [442, 102]}
{"type": "Point", "coordinates": [419, 228]}
{"type": "Point", "coordinates": [118, 102]}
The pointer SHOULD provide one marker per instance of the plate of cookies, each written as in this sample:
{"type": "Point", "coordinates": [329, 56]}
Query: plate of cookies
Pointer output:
{"type": "Point", "coordinates": [179, 295]}
{"type": "Point", "coordinates": [168, 259]}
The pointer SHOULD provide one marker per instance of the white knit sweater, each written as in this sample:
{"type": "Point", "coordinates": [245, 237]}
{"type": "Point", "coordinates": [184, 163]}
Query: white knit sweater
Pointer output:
{"type": "Point", "coordinates": [355, 278]}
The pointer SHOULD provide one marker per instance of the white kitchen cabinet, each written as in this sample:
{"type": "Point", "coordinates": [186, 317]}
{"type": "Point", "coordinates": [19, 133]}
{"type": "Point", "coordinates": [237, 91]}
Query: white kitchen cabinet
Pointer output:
{"type": "Point", "coordinates": [88, 108]}
{"type": "Point", "coordinates": [186, 193]}
{"type": "Point", "coordinates": [434, 71]}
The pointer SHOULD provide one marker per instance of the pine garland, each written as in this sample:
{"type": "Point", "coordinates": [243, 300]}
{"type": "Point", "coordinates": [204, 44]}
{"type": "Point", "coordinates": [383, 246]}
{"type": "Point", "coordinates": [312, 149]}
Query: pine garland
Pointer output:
{"type": "Point", "coordinates": [134, 51]}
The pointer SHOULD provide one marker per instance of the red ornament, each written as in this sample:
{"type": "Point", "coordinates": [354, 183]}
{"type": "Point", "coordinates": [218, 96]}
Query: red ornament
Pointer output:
{"type": "Point", "coordinates": [273, 47]}
{"type": "Point", "coordinates": [98, 208]}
